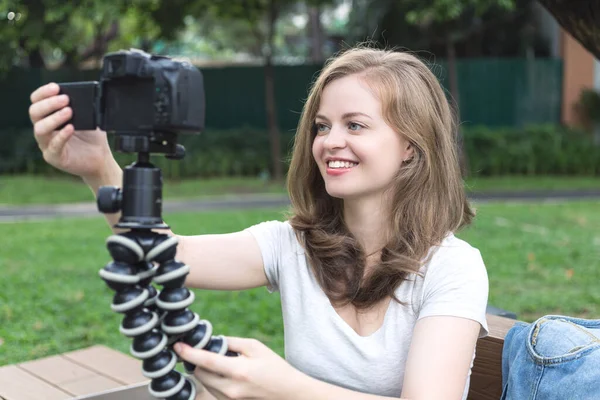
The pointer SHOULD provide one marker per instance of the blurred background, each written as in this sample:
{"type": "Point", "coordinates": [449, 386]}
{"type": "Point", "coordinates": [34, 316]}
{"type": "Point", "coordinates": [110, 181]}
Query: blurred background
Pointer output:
{"type": "Point", "coordinates": [527, 90]}
{"type": "Point", "coordinates": [522, 83]}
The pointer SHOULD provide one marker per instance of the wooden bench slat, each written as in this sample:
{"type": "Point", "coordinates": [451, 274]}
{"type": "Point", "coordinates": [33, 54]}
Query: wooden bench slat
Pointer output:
{"type": "Point", "coordinates": [92, 384]}
{"type": "Point", "coordinates": [13, 380]}
{"type": "Point", "coordinates": [56, 370]}
{"type": "Point", "coordinates": [486, 375]}
{"type": "Point", "coordinates": [110, 363]}
{"type": "Point", "coordinates": [499, 326]}
{"type": "Point", "coordinates": [69, 376]}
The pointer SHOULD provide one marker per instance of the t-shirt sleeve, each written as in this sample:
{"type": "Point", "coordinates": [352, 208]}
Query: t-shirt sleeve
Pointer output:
{"type": "Point", "coordinates": [456, 284]}
{"type": "Point", "coordinates": [273, 240]}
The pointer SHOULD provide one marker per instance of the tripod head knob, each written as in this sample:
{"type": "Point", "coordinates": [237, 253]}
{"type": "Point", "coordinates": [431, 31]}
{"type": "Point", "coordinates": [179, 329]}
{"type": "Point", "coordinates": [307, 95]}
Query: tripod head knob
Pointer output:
{"type": "Point", "coordinates": [109, 199]}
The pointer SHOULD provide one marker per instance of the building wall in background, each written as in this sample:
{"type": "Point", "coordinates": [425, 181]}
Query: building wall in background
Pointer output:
{"type": "Point", "coordinates": [580, 72]}
{"type": "Point", "coordinates": [597, 74]}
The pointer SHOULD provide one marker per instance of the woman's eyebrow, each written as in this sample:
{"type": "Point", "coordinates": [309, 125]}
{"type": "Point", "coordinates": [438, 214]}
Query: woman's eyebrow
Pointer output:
{"type": "Point", "coordinates": [345, 116]}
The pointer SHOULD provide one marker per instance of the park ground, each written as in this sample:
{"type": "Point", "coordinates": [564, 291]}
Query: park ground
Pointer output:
{"type": "Point", "coordinates": [542, 257]}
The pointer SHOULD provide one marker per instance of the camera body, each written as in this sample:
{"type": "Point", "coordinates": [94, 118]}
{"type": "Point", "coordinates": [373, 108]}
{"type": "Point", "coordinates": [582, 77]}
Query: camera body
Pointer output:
{"type": "Point", "coordinates": [144, 99]}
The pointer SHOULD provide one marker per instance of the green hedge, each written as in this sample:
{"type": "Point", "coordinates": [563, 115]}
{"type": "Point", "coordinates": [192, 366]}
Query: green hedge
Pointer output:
{"type": "Point", "coordinates": [534, 150]}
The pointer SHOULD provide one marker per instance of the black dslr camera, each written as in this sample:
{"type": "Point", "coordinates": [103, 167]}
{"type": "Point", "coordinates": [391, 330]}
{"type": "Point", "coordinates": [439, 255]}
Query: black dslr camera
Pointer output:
{"type": "Point", "coordinates": [144, 100]}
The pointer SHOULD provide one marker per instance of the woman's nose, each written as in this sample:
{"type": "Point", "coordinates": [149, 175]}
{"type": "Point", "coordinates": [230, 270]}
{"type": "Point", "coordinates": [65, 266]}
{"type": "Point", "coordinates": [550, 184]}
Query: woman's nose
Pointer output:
{"type": "Point", "coordinates": [335, 139]}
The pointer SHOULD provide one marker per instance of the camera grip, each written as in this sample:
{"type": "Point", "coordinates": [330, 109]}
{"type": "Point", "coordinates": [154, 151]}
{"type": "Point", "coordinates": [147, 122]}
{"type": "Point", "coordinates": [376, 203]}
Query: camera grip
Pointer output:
{"type": "Point", "coordinates": [82, 100]}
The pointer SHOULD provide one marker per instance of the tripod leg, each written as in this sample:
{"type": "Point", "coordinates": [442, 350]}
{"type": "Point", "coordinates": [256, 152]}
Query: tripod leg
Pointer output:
{"type": "Point", "coordinates": [174, 299]}
{"type": "Point", "coordinates": [124, 275]}
{"type": "Point", "coordinates": [146, 272]}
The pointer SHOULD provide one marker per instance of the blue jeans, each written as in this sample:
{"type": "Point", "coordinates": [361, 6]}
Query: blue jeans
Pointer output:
{"type": "Point", "coordinates": [555, 357]}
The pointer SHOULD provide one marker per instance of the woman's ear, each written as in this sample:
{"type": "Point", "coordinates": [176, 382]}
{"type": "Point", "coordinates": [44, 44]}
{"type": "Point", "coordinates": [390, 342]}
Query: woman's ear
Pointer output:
{"type": "Point", "coordinates": [409, 152]}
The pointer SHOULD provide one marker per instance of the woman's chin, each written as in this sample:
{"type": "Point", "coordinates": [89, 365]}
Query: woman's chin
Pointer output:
{"type": "Point", "coordinates": [343, 190]}
{"type": "Point", "coordinates": [338, 193]}
{"type": "Point", "coordinates": [336, 196]}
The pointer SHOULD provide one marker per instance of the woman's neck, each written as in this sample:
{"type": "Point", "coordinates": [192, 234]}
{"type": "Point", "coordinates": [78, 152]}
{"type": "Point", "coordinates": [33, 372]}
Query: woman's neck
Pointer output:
{"type": "Point", "coordinates": [368, 221]}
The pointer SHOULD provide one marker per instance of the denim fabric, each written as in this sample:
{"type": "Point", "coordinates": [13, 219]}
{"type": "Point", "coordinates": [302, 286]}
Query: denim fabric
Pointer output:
{"type": "Point", "coordinates": [555, 357]}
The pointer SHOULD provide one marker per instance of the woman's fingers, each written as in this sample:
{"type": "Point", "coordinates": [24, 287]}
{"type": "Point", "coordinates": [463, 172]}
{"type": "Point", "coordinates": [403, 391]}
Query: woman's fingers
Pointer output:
{"type": "Point", "coordinates": [48, 90]}
{"type": "Point", "coordinates": [207, 360]}
{"type": "Point", "coordinates": [57, 143]}
{"type": "Point", "coordinates": [43, 128]}
{"type": "Point", "coordinates": [45, 117]}
{"type": "Point", "coordinates": [245, 346]}
{"type": "Point", "coordinates": [41, 109]}
{"type": "Point", "coordinates": [215, 384]}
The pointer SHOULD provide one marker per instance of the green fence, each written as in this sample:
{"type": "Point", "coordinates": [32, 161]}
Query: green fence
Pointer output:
{"type": "Point", "coordinates": [510, 92]}
{"type": "Point", "coordinates": [493, 92]}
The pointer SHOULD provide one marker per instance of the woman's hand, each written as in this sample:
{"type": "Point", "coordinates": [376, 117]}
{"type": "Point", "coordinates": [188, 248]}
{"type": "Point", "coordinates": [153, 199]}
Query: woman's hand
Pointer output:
{"type": "Point", "coordinates": [258, 373]}
{"type": "Point", "coordinates": [82, 153]}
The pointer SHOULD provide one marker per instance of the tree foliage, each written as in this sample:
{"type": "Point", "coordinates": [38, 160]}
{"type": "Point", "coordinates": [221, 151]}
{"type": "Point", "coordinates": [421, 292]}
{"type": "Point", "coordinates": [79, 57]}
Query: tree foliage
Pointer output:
{"type": "Point", "coordinates": [258, 19]}
{"type": "Point", "coordinates": [71, 32]}
{"type": "Point", "coordinates": [448, 10]}
{"type": "Point", "coordinates": [456, 17]}
{"type": "Point", "coordinates": [449, 13]}
{"type": "Point", "coordinates": [581, 18]}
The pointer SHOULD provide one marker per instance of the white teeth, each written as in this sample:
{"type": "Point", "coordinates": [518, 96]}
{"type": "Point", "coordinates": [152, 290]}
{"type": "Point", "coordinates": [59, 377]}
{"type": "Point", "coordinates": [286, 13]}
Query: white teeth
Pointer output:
{"type": "Point", "coordinates": [341, 164]}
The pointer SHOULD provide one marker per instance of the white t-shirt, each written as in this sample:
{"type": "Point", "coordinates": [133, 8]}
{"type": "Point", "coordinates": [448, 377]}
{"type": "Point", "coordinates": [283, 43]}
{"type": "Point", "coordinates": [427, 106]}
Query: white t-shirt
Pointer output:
{"type": "Point", "coordinates": [321, 344]}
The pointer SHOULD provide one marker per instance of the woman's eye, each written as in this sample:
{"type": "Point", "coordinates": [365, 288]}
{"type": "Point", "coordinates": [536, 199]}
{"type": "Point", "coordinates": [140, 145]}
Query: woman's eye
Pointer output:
{"type": "Point", "coordinates": [354, 126]}
{"type": "Point", "coordinates": [321, 128]}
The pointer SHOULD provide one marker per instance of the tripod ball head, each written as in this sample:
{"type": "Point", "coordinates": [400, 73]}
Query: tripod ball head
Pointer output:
{"type": "Point", "coordinates": [140, 199]}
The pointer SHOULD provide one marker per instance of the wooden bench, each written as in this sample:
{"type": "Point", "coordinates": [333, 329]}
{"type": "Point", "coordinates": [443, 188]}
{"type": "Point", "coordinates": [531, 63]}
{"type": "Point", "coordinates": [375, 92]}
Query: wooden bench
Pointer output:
{"type": "Point", "coordinates": [486, 375]}
{"type": "Point", "coordinates": [75, 374]}
{"type": "Point", "coordinates": [100, 373]}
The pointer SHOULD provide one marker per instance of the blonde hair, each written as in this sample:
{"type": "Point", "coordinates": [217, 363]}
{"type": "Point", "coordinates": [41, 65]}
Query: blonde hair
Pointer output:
{"type": "Point", "coordinates": [428, 195]}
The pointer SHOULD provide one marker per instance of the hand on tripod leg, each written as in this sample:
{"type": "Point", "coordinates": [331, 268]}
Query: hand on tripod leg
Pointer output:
{"type": "Point", "coordinates": [175, 298]}
{"type": "Point", "coordinates": [154, 319]}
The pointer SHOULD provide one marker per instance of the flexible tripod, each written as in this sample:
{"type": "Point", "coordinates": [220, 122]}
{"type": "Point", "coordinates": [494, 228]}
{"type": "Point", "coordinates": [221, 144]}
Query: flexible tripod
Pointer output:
{"type": "Point", "coordinates": [155, 320]}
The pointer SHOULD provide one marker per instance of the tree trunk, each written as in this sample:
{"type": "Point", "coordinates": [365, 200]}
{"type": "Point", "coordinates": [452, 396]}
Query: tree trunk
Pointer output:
{"type": "Point", "coordinates": [37, 12]}
{"type": "Point", "coordinates": [455, 93]}
{"type": "Point", "coordinates": [316, 34]}
{"type": "Point", "coordinates": [270, 103]}
{"type": "Point", "coordinates": [99, 45]}
{"type": "Point", "coordinates": [35, 59]}
{"type": "Point", "coordinates": [70, 59]}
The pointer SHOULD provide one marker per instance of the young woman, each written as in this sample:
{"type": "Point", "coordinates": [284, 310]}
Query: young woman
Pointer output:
{"type": "Point", "coordinates": [379, 298]}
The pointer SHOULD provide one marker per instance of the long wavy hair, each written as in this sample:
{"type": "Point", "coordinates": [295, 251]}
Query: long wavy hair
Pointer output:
{"type": "Point", "coordinates": [428, 196]}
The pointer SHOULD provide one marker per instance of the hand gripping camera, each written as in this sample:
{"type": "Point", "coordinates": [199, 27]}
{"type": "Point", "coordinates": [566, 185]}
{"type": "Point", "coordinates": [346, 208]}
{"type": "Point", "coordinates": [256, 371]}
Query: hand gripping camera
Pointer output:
{"type": "Point", "coordinates": [146, 101]}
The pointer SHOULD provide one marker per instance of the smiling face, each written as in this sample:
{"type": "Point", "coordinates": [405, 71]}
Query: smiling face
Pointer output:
{"type": "Point", "coordinates": [357, 152]}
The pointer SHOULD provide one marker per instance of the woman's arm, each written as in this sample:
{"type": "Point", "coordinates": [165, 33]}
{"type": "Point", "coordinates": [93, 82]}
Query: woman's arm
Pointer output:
{"type": "Point", "coordinates": [230, 261]}
{"type": "Point", "coordinates": [439, 359]}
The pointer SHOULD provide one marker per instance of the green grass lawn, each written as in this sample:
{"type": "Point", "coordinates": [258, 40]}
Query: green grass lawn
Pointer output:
{"type": "Point", "coordinates": [22, 190]}
{"type": "Point", "coordinates": [541, 259]}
